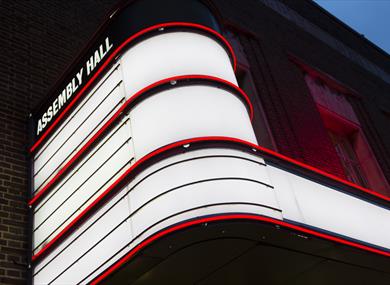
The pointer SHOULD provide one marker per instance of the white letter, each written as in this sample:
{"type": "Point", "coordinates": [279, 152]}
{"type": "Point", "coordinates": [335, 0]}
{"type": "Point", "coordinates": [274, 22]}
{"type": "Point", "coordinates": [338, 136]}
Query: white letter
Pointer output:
{"type": "Point", "coordinates": [108, 45]}
{"type": "Point", "coordinates": [74, 86]}
{"type": "Point", "coordinates": [55, 107]}
{"type": "Point", "coordinates": [49, 113]}
{"type": "Point", "coordinates": [61, 99]}
{"type": "Point", "coordinates": [44, 120]}
{"type": "Point", "coordinates": [102, 52]}
{"type": "Point", "coordinates": [68, 90]}
{"type": "Point", "coordinates": [39, 129]}
{"type": "Point", "coordinates": [90, 65]}
{"type": "Point", "coordinates": [97, 58]}
{"type": "Point", "coordinates": [79, 75]}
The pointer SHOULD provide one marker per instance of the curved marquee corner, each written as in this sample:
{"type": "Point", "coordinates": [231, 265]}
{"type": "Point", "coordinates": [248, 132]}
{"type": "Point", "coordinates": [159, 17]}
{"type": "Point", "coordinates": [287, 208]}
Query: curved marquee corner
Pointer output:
{"type": "Point", "coordinates": [364, 236]}
{"type": "Point", "coordinates": [153, 89]}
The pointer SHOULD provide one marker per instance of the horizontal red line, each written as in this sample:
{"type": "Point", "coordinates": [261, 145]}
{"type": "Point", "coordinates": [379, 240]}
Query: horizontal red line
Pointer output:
{"type": "Point", "coordinates": [45, 190]}
{"type": "Point", "coordinates": [226, 217]}
{"type": "Point", "coordinates": [94, 205]}
{"type": "Point", "coordinates": [115, 53]}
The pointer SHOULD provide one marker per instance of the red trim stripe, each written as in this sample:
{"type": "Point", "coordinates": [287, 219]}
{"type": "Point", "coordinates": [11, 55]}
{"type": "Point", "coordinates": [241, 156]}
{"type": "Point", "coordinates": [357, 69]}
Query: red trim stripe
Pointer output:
{"type": "Point", "coordinates": [45, 190]}
{"type": "Point", "coordinates": [94, 205]}
{"type": "Point", "coordinates": [226, 217]}
{"type": "Point", "coordinates": [112, 57]}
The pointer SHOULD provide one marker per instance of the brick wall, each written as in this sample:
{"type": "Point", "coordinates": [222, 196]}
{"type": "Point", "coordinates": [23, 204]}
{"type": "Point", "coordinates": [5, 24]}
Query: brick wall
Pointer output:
{"type": "Point", "coordinates": [38, 40]}
{"type": "Point", "coordinates": [271, 32]}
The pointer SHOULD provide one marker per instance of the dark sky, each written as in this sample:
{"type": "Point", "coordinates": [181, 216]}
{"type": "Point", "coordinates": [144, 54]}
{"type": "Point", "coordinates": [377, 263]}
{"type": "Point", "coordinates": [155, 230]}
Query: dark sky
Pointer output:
{"type": "Point", "coordinates": [368, 17]}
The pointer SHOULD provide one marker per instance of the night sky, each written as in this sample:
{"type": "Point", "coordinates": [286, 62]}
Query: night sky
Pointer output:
{"type": "Point", "coordinates": [368, 17]}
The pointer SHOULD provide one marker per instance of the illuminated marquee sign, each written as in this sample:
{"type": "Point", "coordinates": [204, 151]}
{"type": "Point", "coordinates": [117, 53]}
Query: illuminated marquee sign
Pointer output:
{"type": "Point", "coordinates": [115, 36]}
{"type": "Point", "coordinates": [100, 123]}
{"type": "Point", "coordinates": [149, 132]}
{"type": "Point", "coordinates": [73, 85]}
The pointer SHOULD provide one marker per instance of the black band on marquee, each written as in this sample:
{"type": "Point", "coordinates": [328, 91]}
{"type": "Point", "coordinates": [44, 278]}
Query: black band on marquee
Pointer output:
{"type": "Point", "coordinates": [133, 23]}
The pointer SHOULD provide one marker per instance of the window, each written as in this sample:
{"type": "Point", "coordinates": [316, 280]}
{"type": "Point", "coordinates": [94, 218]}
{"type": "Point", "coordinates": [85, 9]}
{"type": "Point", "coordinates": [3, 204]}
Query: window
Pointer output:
{"type": "Point", "coordinates": [346, 134]}
{"type": "Point", "coordinates": [346, 152]}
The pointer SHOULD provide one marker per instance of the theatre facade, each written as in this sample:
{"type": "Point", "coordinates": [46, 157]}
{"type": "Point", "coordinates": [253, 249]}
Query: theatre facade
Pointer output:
{"type": "Point", "coordinates": [213, 142]}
